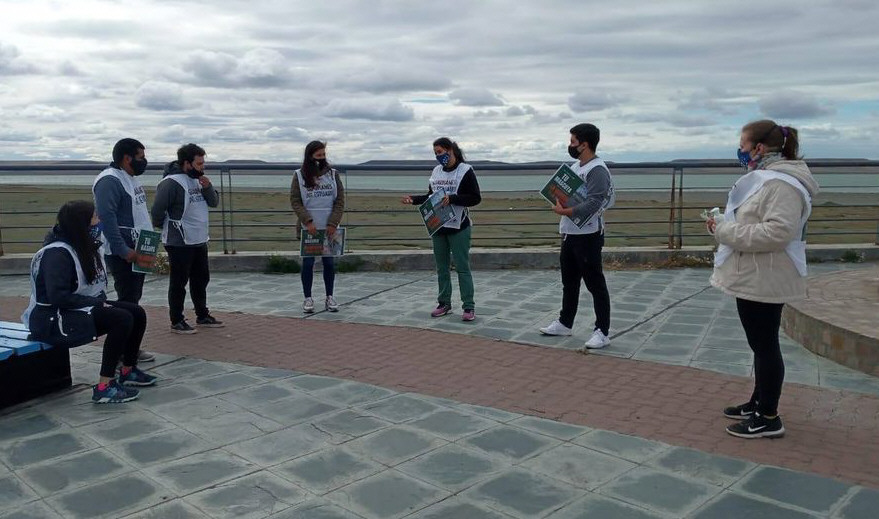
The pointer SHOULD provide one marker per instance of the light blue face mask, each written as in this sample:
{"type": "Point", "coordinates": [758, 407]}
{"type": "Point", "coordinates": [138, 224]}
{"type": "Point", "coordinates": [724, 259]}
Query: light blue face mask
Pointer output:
{"type": "Point", "coordinates": [443, 158]}
{"type": "Point", "coordinates": [96, 230]}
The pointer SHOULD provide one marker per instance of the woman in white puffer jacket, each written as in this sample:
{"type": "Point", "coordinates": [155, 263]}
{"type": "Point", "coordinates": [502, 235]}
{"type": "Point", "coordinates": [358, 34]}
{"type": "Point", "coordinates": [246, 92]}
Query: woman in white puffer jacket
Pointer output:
{"type": "Point", "coordinates": [761, 259]}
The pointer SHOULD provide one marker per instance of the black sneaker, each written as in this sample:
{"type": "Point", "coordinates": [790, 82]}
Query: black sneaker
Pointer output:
{"type": "Point", "coordinates": [757, 427]}
{"type": "Point", "coordinates": [741, 412]}
{"type": "Point", "coordinates": [183, 328]}
{"type": "Point", "coordinates": [209, 322]}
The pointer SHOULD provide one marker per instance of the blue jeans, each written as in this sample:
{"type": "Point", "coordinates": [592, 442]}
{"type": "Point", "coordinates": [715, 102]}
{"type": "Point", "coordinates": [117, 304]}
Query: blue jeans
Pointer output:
{"type": "Point", "coordinates": [308, 274]}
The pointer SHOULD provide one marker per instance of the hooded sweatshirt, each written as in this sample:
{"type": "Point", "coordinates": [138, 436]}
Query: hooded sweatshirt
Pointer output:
{"type": "Point", "coordinates": [759, 268]}
{"type": "Point", "coordinates": [170, 201]}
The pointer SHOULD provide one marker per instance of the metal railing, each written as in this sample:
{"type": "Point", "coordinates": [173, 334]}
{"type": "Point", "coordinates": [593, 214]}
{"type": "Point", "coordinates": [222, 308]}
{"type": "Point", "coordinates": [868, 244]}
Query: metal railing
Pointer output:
{"type": "Point", "coordinates": [672, 222]}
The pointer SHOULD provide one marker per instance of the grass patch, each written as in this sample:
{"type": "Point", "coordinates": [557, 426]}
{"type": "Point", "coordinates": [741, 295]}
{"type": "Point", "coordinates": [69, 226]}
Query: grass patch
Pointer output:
{"type": "Point", "coordinates": [350, 264]}
{"type": "Point", "coordinates": [278, 264]}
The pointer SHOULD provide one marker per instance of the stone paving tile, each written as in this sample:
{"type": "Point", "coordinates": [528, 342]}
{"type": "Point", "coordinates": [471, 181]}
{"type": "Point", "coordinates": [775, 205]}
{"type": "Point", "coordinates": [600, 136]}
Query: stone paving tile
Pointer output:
{"type": "Point", "coordinates": [453, 467]}
{"type": "Point", "coordinates": [400, 408]}
{"type": "Point", "coordinates": [258, 395]}
{"type": "Point", "coordinates": [862, 505]}
{"type": "Point", "coordinates": [59, 475]}
{"type": "Point", "coordinates": [28, 451]}
{"type": "Point", "coordinates": [352, 393]}
{"type": "Point", "coordinates": [14, 492]}
{"type": "Point", "coordinates": [452, 425]}
{"type": "Point", "coordinates": [457, 508]}
{"type": "Point", "coordinates": [296, 409]}
{"type": "Point", "coordinates": [226, 382]}
{"type": "Point", "coordinates": [13, 427]}
{"type": "Point", "coordinates": [35, 510]}
{"type": "Point", "coordinates": [623, 446]}
{"type": "Point", "coordinates": [578, 466]}
{"type": "Point", "coordinates": [176, 509]}
{"type": "Point", "coordinates": [395, 445]}
{"type": "Point", "coordinates": [716, 470]}
{"type": "Point", "coordinates": [558, 430]}
{"type": "Point", "coordinates": [251, 497]}
{"type": "Point", "coordinates": [805, 491]}
{"type": "Point", "coordinates": [103, 500]}
{"type": "Point", "coordinates": [594, 506]}
{"type": "Point", "coordinates": [510, 442]}
{"type": "Point", "coordinates": [199, 471]}
{"type": "Point", "coordinates": [347, 425]}
{"type": "Point", "coordinates": [523, 494]}
{"type": "Point", "coordinates": [169, 394]}
{"type": "Point", "coordinates": [316, 509]}
{"type": "Point", "coordinates": [160, 447]}
{"type": "Point", "coordinates": [327, 469]}
{"type": "Point", "coordinates": [730, 504]}
{"type": "Point", "coordinates": [125, 427]}
{"type": "Point", "coordinates": [660, 491]}
{"type": "Point", "coordinates": [314, 383]}
{"type": "Point", "coordinates": [389, 494]}
{"type": "Point", "coordinates": [279, 446]}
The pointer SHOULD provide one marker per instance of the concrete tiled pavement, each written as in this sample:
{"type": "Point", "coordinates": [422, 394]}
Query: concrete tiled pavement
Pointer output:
{"type": "Point", "coordinates": [226, 440]}
{"type": "Point", "coordinates": [223, 439]}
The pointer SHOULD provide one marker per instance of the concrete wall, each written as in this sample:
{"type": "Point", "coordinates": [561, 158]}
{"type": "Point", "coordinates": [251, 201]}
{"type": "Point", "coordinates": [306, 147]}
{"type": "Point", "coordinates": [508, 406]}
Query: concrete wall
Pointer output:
{"type": "Point", "coordinates": [486, 259]}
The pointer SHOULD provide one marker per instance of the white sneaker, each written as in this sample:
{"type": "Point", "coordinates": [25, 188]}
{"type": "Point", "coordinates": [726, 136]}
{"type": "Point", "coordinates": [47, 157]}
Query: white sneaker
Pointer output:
{"type": "Point", "coordinates": [308, 305]}
{"type": "Point", "coordinates": [556, 328]}
{"type": "Point", "coordinates": [597, 341]}
{"type": "Point", "coordinates": [331, 305]}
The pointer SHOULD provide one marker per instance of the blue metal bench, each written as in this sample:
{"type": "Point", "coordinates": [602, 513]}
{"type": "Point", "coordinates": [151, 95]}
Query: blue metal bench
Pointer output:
{"type": "Point", "coordinates": [29, 369]}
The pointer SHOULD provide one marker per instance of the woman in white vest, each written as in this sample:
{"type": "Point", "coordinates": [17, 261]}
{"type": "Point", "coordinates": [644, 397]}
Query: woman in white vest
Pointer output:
{"type": "Point", "coordinates": [318, 199]}
{"type": "Point", "coordinates": [69, 306]}
{"type": "Point", "coordinates": [456, 179]}
{"type": "Point", "coordinates": [761, 259]}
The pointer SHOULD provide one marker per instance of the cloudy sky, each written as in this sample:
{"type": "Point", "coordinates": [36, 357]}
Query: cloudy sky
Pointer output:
{"type": "Point", "coordinates": [380, 79]}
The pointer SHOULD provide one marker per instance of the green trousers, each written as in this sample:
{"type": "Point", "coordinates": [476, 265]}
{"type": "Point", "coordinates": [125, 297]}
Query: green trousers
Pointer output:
{"type": "Point", "coordinates": [457, 247]}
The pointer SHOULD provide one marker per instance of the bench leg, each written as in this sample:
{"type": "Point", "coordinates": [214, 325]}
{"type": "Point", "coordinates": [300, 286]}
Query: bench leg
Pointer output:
{"type": "Point", "coordinates": [36, 374]}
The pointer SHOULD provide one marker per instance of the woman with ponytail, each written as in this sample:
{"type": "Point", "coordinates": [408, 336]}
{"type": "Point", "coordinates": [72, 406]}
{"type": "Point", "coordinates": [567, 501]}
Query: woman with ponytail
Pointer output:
{"type": "Point", "coordinates": [69, 306]}
{"type": "Point", "coordinates": [761, 259]}
{"type": "Point", "coordinates": [457, 180]}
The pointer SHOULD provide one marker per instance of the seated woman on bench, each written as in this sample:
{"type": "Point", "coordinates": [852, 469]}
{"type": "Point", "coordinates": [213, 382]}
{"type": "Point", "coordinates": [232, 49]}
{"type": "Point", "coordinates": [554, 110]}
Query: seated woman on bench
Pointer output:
{"type": "Point", "coordinates": [69, 305]}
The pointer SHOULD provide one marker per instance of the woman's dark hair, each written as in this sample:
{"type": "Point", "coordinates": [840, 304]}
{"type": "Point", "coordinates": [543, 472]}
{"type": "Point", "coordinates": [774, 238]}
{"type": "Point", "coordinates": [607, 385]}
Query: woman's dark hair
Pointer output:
{"type": "Point", "coordinates": [310, 170]}
{"type": "Point", "coordinates": [74, 220]}
{"type": "Point", "coordinates": [777, 138]}
{"type": "Point", "coordinates": [448, 144]}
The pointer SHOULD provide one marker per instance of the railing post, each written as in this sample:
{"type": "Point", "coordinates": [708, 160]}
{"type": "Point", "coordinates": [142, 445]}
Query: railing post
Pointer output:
{"type": "Point", "coordinates": [344, 173]}
{"type": "Point", "coordinates": [671, 210]}
{"type": "Point", "coordinates": [680, 170]}
{"type": "Point", "coordinates": [1, 234]}
{"type": "Point", "coordinates": [231, 214]}
{"type": "Point", "coordinates": [223, 208]}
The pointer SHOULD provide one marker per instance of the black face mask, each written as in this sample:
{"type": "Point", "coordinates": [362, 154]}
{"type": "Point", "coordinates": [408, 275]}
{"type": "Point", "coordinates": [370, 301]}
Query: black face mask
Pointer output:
{"type": "Point", "coordinates": [194, 173]}
{"type": "Point", "coordinates": [138, 166]}
{"type": "Point", "coordinates": [572, 151]}
{"type": "Point", "coordinates": [321, 164]}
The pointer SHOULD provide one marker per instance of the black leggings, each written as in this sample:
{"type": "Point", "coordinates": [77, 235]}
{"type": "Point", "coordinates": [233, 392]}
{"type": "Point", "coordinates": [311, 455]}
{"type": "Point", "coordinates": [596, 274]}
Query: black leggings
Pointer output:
{"type": "Point", "coordinates": [124, 324]}
{"type": "Point", "coordinates": [761, 322]}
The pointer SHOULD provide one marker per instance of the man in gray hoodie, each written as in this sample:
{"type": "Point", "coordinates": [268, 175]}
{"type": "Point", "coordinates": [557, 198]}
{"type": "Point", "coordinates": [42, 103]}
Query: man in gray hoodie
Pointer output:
{"type": "Point", "coordinates": [181, 210]}
{"type": "Point", "coordinates": [120, 202]}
